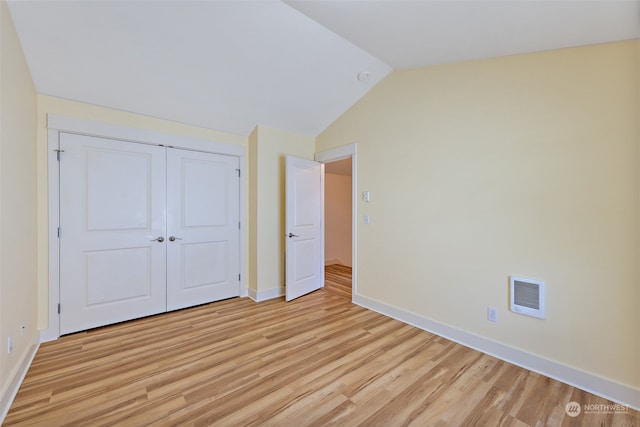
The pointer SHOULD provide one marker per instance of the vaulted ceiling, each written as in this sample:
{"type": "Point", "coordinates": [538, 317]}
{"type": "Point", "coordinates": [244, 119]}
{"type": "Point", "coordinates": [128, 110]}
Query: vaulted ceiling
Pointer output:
{"type": "Point", "coordinates": [296, 65]}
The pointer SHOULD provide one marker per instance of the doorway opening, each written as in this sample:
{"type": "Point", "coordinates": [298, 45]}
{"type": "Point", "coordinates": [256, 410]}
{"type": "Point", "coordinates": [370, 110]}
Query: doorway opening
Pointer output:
{"type": "Point", "coordinates": [337, 227]}
{"type": "Point", "coordinates": [340, 244]}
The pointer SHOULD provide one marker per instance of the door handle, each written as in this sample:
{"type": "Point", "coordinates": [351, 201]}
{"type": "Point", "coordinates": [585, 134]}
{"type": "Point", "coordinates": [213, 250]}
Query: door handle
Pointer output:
{"type": "Point", "coordinates": [173, 238]}
{"type": "Point", "coordinates": [293, 235]}
{"type": "Point", "coordinates": [158, 239]}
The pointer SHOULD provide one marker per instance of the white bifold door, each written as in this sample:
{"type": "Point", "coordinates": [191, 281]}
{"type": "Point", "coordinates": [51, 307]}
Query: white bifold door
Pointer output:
{"type": "Point", "coordinates": [143, 229]}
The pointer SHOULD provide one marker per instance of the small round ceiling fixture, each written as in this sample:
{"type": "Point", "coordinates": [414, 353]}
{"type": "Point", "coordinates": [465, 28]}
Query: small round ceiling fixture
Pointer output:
{"type": "Point", "coordinates": [363, 76]}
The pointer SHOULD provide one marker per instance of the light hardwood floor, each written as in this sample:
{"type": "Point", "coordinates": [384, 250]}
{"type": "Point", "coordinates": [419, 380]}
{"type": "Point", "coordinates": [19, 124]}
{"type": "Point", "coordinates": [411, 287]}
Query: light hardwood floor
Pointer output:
{"type": "Point", "coordinates": [337, 280]}
{"type": "Point", "coordinates": [315, 361]}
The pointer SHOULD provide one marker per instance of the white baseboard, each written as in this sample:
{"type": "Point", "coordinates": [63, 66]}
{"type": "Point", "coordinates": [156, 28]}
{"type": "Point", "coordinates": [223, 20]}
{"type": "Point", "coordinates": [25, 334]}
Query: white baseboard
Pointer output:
{"type": "Point", "coordinates": [602, 387]}
{"type": "Point", "coordinates": [49, 334]}
{"type": "Point", "coordinates": [265, 295]}
{"type": "Point", "coordinates": [244, 292]}
{"type": "Point", "coordinates": [16, 381]}
{"type": "Point", "coordinates": [336, 261]}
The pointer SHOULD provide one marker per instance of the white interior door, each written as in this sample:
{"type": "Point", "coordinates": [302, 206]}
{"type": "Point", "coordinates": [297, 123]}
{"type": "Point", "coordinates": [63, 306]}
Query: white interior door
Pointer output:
{"type": "Point", "coordinates": [112, 208]}
{"type": "Point", "coordinates": [203, 219]}
{"type": "Point", "coordinates": [305, 234]}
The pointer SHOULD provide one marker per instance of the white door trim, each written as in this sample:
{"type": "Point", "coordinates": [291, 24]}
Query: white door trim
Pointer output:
{"type": "Point", "coordinates": [57, 124]}
{"type": "Point", "coordinates": [124, 133]}
{"type": "Point", "coordinates": [340, 153]}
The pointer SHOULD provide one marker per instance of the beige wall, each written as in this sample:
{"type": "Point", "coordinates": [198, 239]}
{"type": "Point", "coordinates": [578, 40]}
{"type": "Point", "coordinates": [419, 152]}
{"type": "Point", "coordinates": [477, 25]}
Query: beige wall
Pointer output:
{"type": "Point", "coordinates": [48, 104]}
{"type": "Point", "coordinates": [17, 204]}
{"type": "Point", "coordinates": [522, 165]}
{"type": "Point", "coordinates": [268, 149]}
{"type": "Point", "coordinates": [337, 219]}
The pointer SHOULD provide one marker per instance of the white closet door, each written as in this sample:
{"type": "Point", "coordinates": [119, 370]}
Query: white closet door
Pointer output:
{"type": "Point", "coordinates": [112, 207]}
{"type": "Point", "coordinates": [203, 247]}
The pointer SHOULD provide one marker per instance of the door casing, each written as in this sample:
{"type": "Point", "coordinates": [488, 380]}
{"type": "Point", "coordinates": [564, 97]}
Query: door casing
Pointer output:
{"type": "Point", "coordinates": [59, 123]}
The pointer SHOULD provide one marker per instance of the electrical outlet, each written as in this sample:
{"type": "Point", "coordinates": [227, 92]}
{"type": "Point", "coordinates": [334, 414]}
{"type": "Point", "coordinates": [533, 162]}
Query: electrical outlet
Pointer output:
{"type": "Point", "coordinates": [492, 314]}
{"type": "Point", "coordinates": [9, 344]}
{"type": "Point", "coordinates": [22, 329]}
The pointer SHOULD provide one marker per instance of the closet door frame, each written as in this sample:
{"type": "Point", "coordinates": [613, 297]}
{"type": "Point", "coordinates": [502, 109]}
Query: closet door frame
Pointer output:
{"type": "Point", "coordinates": [57, 124]}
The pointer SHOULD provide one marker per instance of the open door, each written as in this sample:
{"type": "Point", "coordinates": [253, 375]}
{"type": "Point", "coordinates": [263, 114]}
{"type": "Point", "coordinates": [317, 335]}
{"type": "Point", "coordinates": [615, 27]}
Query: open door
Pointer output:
{"type": "Point", "coordinates": [305, 233]}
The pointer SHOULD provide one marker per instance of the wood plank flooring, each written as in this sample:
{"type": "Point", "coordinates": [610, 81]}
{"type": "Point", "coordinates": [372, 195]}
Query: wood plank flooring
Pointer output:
{"type": "Point", "coordinates": [337, 280]}
{"type": "Point", "coordinates": [316, 361]}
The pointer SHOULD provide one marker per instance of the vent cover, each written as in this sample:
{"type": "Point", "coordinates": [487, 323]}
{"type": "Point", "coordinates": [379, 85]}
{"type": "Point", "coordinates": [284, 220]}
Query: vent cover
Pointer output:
{"type": "Point", "coordinates": [527, 297]}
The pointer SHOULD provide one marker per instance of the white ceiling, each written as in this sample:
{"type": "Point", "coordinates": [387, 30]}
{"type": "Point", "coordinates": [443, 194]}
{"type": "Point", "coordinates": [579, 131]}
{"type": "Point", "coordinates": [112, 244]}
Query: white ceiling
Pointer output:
{"type": "Point", "coordinates": [226, 65]}
{"type": "Point", "coordinates": [231, 65]}
{"type": "Point", "coordinates": [415, 33]}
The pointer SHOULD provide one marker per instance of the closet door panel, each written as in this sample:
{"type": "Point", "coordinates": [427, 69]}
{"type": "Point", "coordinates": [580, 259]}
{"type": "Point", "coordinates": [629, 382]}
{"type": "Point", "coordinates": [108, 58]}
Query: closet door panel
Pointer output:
{"type": "Point", "coordinates": [203, 248]}
{"type": "Point", "coordinates": [112, 208]}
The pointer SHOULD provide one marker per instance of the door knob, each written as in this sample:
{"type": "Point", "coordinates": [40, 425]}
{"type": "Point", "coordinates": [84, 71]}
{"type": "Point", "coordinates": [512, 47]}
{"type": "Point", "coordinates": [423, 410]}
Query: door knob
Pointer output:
{"type": "Point", "coordinates": [173, 238]}
{"type": "Point", "coordinates": [158, 239]}
{"type": "Point", "coordinates": [293, 235]}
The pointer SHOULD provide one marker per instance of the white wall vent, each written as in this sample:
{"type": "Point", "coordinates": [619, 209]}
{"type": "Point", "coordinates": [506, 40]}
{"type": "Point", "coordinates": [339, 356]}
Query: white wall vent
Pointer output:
{"type": "Point", "coordinates": [527, 296]}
